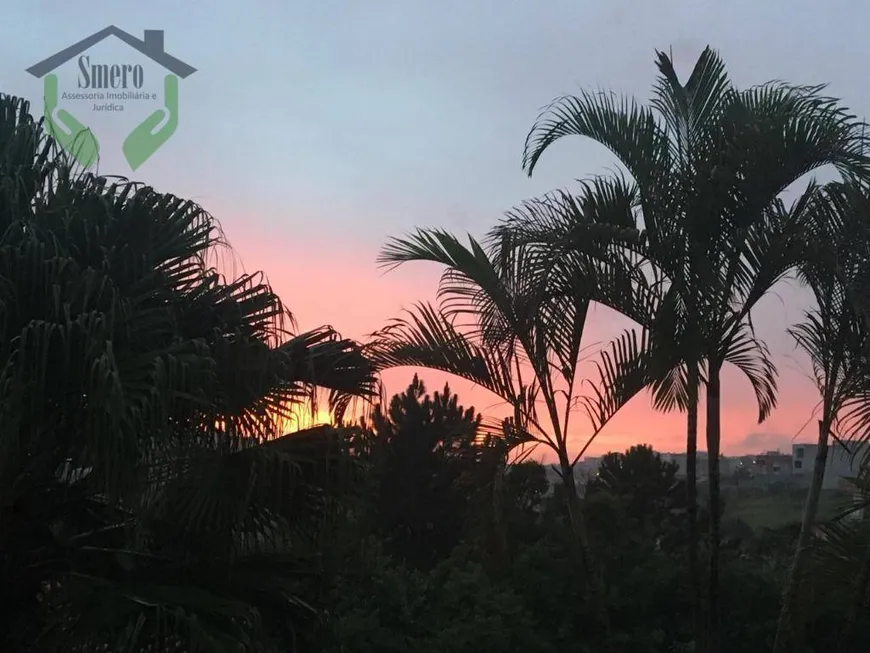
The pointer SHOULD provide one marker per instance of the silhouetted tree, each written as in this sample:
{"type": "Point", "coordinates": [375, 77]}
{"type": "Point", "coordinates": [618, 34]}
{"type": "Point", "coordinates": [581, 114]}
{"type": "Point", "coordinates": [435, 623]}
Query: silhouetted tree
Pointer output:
{"type": "Point", "coordinates": [519, 334]}
{"type": "Point", "coordinates": [424, 452]}
{"type": "Point", "coordinates": [140, 413]}
{"type": "Point", "coordinates": [526, 489]}
{"type": "Point", "coordinates": [526, 484]}
{"type": "Point", "coordinates": [647, 485]}
{"type": "Point", "coordinates": [706, 167]}
{"type": "Point", "coordinates": [835, 336]}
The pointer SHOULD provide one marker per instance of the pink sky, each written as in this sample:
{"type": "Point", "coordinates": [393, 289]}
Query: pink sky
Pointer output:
{"type": "Point", "coordinates": [325, 283]}
{"type": "Point", "coordinates": [330, 126]}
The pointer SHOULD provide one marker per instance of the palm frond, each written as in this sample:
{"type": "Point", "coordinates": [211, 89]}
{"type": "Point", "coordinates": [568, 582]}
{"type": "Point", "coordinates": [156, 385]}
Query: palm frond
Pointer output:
{"type": "Point", "coordinates": [623, 372]}
{"type": "Point", "coordinates": [689, 110]}
{"type": "Point", "coordinates": [626, 128]}
{"type": "Point", "coordinates": [426, 337]}
{"type": "Point", "coordinates": [752, 357]}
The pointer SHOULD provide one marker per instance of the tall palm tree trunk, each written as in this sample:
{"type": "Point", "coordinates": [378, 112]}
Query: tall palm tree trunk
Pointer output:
{"type": "Point", "coordinates": [580, 533]}
{"type": "Point", "coordinates": [713, 440]}
{"type": "Point", "coordinates": [501, 553]}
{"type": "Point", "coordinates": [787, 630]}
{"type": "Point", "coordinates": [692, 501]}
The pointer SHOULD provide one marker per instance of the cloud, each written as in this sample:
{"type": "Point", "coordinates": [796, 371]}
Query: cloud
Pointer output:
{"type": "Point", "coordinates": [761, 442]}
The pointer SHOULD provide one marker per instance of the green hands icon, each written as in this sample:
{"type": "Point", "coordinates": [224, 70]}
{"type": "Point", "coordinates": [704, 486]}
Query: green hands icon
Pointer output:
{"type": "Point", "coordinates": [147, 138]}
{"type": "Point", "coordinates": [142, 142]}
{"type": "Point", "coordinates": [72, 135]}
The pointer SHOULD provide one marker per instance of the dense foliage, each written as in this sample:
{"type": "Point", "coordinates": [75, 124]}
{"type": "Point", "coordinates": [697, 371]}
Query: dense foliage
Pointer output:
{"type": "Point", "coordinates": [144, 491]}
{"type": "Point", "coordinates": [422, 453]}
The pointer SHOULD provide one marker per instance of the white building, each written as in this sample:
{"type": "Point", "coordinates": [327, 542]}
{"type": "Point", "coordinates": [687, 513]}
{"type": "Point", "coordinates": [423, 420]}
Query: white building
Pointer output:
{"type": "Point", "coordinates": [843, 462]}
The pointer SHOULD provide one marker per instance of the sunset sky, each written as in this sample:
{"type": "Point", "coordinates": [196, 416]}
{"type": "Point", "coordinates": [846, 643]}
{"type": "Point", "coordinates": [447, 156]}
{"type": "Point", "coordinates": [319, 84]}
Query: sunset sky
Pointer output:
{"type": "Point", "coordinates": [316, 130]}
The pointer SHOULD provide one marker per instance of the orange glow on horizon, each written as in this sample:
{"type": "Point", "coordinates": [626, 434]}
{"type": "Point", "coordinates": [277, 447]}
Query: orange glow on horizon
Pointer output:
{"type": "Point", "coordinates": [304, 418]}
{"type": "Point", "coordinates": [350, 293]}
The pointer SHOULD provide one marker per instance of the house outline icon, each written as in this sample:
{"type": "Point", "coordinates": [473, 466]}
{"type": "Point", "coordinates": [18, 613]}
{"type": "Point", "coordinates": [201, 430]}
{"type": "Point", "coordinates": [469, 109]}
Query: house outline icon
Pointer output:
{"type": "Point", "coordinates": [151, 46]}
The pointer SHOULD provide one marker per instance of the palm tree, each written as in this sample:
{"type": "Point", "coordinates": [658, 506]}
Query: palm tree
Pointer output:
{"type": "Point", "coordinates": [834, 336]}
{"type": "Point", "coordinates": [141, 396]}
{"type": "Point", "coordinates": [561, 235]}
{"type": "Point", "coordinates": [505, 330]}
{"type": "Point", "coordinates": [708, 164]}
{"type": "Point", "coordinates": [838, 571]}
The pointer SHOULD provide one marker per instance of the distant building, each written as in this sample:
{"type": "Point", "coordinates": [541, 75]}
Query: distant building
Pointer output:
{"type": "Point", "coordinates": [554, 477]}
{"type": "Point", "coordinates": [844, 461]}
{"type": "Point", "coordinates": [587, 468]}
{"type": "Point", "coordinates": [772, 463]}
{"type": "Point", "coordinates": [583, 471]}
{"type": "Point", "coordinates": [680, 460]}
{"type": "Point", "coordinates": [726, 465]}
